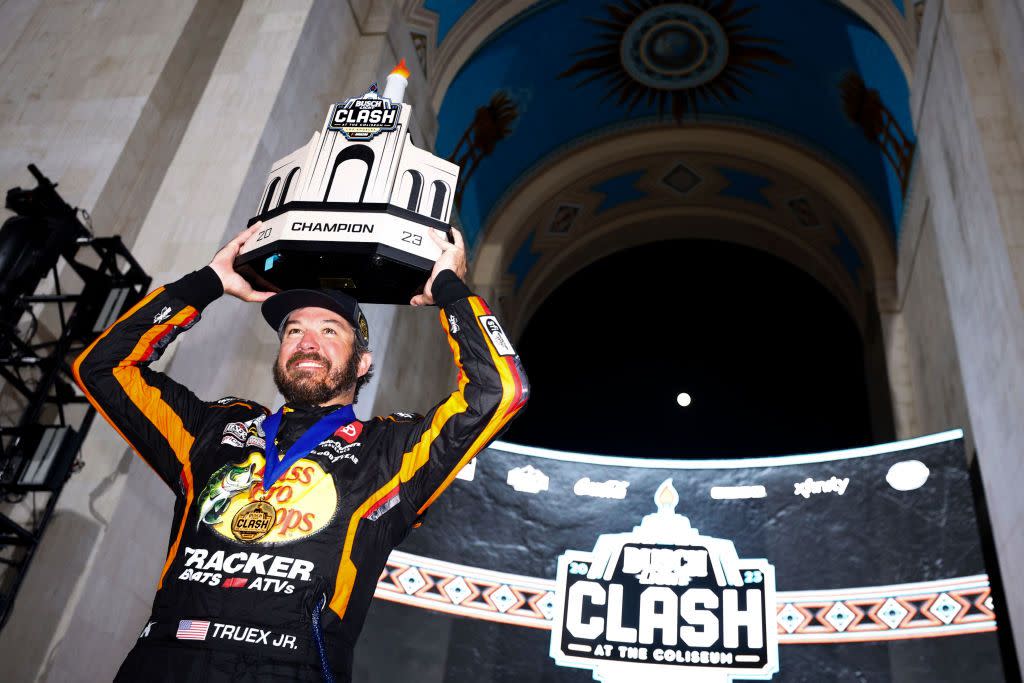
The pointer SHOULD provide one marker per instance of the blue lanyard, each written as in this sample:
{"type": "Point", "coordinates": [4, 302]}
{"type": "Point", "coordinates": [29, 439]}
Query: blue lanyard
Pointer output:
{"type": "Point", "coordinates": [324, 427]}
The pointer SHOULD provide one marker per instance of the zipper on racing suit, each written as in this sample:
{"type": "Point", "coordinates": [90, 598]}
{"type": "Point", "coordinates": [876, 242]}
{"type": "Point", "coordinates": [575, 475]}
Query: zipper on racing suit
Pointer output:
{"type": "Point", "coordinates": [318, 638]}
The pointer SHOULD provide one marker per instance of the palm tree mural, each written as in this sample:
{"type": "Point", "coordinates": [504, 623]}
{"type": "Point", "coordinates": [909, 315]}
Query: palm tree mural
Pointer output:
{"type": "Point", "coordinates": [491, 124]}
{"type": "Point", "coordinates": [864, 107]}
{"type": "Point", "coordinates": [675, 54]}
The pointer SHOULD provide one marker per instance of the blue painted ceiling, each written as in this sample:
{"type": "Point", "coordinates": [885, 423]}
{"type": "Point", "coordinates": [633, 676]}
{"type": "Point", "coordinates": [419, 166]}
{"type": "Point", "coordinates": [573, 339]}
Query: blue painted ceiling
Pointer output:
{"type": "Point", "coordinates": [448, 12]}
{"type": "Point", "coordinates": [786, 64]}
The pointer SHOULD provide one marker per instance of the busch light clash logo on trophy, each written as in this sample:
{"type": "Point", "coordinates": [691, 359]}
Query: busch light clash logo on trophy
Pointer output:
{"type": "Point", "coordinates": [364, 118]}
{"type": "Point", "coordinates": [353, 208]}
{"type": "Point", "coordinates": [663, 603]}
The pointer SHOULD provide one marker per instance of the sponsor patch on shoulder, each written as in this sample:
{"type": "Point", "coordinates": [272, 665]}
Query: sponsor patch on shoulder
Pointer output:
{"type": "Point", "coordinates": [247, 433]}
{"type": "Point", "coordinates": [350, 432]}
{"type": "Point", "coordinates": [497, 335]}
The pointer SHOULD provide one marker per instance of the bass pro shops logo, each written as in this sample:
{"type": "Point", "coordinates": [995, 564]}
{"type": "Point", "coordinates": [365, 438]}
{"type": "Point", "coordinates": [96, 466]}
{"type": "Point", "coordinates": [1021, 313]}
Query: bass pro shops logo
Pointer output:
{"type": "Point", "coordinates": [234, 504]}
{"type": "Point", "coordinates": [663, 603]}
{"type": "Point", "coordinates": [364, 118]}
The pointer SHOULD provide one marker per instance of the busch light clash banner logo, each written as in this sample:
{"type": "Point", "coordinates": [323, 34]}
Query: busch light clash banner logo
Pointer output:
{"type": "Point", "coordinates": [663, 603]}
{"type": "Point", "coordinates": [364, 118]}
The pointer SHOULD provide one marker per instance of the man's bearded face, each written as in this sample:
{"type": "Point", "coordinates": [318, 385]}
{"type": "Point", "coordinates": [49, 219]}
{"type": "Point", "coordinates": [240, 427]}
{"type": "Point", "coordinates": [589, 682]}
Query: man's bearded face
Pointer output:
{"type": "Point", "coordinates": [317, 360]}
{"type": "Point", "coordinates": [313, 387]}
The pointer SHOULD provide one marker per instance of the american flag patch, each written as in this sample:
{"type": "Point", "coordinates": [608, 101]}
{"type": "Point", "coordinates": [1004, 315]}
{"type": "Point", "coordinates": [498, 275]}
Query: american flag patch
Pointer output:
{"type": "Point", "coordinates": [192, 630]}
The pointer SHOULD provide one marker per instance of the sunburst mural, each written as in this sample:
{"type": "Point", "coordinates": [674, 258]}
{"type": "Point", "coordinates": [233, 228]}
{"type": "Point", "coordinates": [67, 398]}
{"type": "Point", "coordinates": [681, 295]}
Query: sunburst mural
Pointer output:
{"type": "Point", "coordinates": [675, 54]}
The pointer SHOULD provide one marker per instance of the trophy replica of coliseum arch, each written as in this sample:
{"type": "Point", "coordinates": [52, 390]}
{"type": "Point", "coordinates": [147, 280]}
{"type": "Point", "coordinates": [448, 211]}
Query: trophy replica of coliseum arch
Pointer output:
{"type": "Point", "coordinates": [351, 209]}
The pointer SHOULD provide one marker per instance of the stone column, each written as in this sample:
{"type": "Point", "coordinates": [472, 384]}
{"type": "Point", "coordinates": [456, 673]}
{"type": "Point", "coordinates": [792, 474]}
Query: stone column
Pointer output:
{"type": "Point", "coordinates": [971, 154]}
{"type": "Point", "coordinates": [1005, 19]}
{"type": "Point", "coordinates": [924, 372]}
{"type": "Point", "coordinates": [880, 399]}
{"type": "Point", "coordinates": [897, 361]}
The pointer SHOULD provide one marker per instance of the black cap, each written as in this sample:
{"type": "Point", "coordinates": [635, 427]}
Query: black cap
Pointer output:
{"type": "Point", "coordinates": [276, 309]}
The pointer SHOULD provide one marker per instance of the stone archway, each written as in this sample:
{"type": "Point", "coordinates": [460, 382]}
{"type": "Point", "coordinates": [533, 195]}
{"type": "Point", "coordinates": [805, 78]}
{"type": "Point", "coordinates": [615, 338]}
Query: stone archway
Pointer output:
{"type": "Point", "coordinates": [525, 203]}
{"type": "Point", "coordinates": [650, 226]}
{"type": "Point", "coordinates": [711, 212]}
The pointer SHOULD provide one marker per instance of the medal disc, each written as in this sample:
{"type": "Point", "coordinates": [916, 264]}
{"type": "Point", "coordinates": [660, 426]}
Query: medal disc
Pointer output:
{"type": "Point", "coordinates": [254, 521]}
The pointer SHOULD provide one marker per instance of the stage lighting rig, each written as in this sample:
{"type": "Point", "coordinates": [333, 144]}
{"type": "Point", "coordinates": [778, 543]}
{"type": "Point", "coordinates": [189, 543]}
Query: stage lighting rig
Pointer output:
{"type": "Point", "coordinates": [68, 285]}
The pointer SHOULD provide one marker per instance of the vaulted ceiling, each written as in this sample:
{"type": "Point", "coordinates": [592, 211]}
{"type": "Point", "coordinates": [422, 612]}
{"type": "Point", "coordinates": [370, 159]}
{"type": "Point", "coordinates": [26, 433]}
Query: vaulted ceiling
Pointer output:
{"type": "Point", "coordinates": [813, 72]}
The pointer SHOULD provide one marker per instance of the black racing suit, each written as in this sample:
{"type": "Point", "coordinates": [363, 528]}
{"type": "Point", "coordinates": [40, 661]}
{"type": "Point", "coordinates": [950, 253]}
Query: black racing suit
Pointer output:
{"type": "Point", "coordinates": [274, 582]}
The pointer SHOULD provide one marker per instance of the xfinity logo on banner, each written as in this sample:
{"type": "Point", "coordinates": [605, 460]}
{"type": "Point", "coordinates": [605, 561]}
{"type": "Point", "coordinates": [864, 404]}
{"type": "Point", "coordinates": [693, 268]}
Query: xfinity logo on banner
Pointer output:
{"type": "Point", "coordinates": [663, 603]}
{"type": "Point", "coordinates": [364, 118]}
{"type": "Point", "coordinates": [808, 486]}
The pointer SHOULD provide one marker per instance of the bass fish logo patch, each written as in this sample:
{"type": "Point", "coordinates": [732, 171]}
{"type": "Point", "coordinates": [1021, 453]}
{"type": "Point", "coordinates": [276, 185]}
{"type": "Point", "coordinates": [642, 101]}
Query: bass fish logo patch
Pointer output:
{"type": "Point", "coordinates": [299, 504]}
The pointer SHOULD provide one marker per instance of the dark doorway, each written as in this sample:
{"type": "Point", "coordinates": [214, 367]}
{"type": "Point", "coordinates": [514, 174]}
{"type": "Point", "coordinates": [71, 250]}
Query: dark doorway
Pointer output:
{"type": "Point", "coordinates": [773, 363]}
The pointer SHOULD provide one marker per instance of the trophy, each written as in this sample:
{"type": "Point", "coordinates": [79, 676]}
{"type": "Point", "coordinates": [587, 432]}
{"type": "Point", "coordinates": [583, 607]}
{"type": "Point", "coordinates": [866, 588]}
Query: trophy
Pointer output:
{"type": "Point", "coordinates": [351, 209]}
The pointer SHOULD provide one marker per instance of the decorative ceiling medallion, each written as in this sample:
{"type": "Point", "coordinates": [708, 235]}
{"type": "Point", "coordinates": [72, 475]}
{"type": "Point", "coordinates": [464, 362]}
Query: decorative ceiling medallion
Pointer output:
{"type": "Point", "coordinates": [674, 47]}
{"type": "Point", "coordinates": [674, 54]}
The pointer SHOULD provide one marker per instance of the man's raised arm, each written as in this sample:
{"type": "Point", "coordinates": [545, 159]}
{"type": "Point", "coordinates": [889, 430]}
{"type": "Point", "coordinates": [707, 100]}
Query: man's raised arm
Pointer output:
{"type": "Point", "coordinates": [158, 417]}
{"type": "Point", "coordinates": [492, 388]}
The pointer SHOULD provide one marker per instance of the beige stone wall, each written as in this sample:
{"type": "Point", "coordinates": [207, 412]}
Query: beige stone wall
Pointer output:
{"type": "Point", "coordinates": [924, 369]}
{"type": "Point", "coordinates": [938, 386]}
{"type": "Point", "coordinates": [97, 95]}
{"type": "Point", "coordinates": [417, 354]}
{"type": "Point", "coordinates": [1005, 19]}
{"type": "Point", "coordinates": [163, 120]}
{"type": "Point", "coordinates": [971, 155]}
{"type": "Point", "coordinates": [99, 92]}
{"type": "Point", "coordinates": [974, 49]}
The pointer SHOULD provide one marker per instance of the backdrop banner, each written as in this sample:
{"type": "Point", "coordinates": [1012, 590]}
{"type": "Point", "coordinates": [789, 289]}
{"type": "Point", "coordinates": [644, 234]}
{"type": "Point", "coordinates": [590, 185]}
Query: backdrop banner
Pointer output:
{"type": "Point", "coordinates": [540, 565]}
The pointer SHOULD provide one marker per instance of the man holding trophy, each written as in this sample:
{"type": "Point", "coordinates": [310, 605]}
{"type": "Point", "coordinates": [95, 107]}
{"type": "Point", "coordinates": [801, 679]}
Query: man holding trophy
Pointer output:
{"type": "Point", "coordinates": [284, 520]}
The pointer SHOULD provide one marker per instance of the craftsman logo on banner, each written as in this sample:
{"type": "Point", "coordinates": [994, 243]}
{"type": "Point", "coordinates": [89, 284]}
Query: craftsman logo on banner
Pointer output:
{"type": "Point", "coordinates": [663, 603]}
